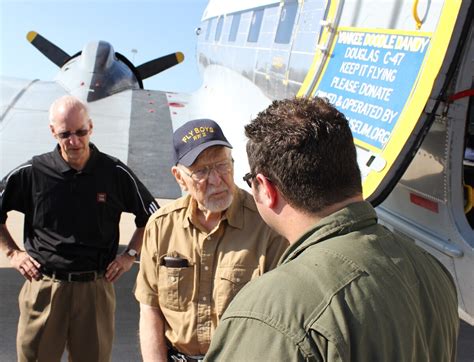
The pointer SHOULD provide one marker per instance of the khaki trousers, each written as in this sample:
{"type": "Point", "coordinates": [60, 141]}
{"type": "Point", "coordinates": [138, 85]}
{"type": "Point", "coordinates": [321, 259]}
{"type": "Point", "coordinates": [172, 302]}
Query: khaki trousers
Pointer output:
{"type": "Point", "coordinates": [55, 315]}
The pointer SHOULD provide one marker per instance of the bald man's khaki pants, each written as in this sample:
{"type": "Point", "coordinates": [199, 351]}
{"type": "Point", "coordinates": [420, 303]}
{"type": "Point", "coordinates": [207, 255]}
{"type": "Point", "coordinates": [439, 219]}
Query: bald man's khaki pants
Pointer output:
{"type": "Point", "coordinates": [55, 315]}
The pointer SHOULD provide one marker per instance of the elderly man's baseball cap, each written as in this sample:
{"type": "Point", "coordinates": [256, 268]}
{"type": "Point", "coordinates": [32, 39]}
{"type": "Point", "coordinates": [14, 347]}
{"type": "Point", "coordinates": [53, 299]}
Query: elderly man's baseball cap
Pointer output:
{"type": "Point", "coordinates": [195, 136]}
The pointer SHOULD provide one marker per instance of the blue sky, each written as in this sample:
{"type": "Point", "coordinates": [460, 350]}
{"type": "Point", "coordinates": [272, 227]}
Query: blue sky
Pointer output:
{"type": "Point", "coordinates": [153, 28]}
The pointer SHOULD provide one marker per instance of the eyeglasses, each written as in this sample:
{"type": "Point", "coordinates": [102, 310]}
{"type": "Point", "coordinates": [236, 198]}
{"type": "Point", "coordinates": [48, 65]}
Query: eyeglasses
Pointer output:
{"type": "Point", "coordinates": [248, 178]}
{"type": "Point", "coordinates": [78, 133]}
{"type": "Point", "coordinates": [202, 174]}
{"type": "Point", "coordinates": [250, 175]}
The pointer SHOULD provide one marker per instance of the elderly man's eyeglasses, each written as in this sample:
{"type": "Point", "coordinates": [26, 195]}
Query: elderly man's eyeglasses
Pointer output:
{"type": "Point", "coordinates": [78, 133]}
{"type": "Point", "coordinates": [202, 174]}
{"type": "Point", "coordinates": [248, 178]}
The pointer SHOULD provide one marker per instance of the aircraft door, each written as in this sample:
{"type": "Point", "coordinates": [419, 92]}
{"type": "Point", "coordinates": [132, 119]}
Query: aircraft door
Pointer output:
{"type": "Point", "coordinates": [291, 66]}
{"type": "Point", "coordinates": [380, 68]}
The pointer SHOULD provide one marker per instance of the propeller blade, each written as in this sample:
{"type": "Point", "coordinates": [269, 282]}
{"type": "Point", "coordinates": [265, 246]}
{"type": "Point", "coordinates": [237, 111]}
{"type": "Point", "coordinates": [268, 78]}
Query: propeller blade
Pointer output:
{"type": "Point", "coordinates": [51, 51]}
{"type": "Point", "coordinates": [155, 66]}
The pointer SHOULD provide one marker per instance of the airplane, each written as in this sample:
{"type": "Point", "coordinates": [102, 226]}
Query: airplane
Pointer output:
{"type": "Point", "coordinates": [130, 119]}
{"type": "Point", "coordinates": [401, 71]}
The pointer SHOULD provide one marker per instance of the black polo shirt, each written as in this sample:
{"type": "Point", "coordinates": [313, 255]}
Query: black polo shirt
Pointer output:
{"type": "Point", "coordinates": [72, 217]}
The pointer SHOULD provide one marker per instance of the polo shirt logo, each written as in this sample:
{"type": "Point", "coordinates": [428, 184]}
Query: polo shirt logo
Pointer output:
{"type": "Point", "coordinates": [101, 197]}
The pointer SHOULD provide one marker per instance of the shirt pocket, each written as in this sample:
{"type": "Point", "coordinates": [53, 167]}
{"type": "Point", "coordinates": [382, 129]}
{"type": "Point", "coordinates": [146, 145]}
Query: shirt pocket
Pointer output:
{"type": "Point", "coordinates": [229, 281]}
{"type": "Point", "coordinates": [175, 287]}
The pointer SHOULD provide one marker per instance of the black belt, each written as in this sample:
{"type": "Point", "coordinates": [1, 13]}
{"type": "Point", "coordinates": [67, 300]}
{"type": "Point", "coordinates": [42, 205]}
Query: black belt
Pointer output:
{"type": "Point", "coordinates": [175, 356]}
{"type": "Point", "coordinates": [79, 276]}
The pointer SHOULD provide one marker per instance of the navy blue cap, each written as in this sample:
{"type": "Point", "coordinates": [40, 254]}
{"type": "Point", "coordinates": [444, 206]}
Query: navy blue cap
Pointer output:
{"type": "Point", "coordinates": [195, 136]}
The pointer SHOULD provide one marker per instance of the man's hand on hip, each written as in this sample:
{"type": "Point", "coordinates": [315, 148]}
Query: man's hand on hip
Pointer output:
{"type": "Point", "coordinates": [122, 264]}
{"type": "Point", "coordinates": [25, 264]}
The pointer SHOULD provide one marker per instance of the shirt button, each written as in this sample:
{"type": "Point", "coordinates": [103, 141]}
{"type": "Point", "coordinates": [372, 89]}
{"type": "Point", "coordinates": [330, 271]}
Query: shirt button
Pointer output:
{"type": "Point", "coordinates": [237, 280]}
{"type": "Point", "coordinates": [204, 299]}
{"type": "Point", "coordinates": [208, 238]}
{"type": "Point", "coordinates": [206, 267]}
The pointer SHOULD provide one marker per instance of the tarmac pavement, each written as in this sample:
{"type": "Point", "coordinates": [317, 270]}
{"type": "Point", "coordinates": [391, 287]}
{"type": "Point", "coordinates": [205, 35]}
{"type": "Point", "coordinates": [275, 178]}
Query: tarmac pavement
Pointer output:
{"type": "Point", "coordinates": [126, 347]}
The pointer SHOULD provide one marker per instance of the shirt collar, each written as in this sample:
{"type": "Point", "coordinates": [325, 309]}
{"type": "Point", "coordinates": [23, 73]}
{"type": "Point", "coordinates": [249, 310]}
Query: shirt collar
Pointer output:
{"type": "Point", "coordinates": [64, 167]}
{"type": "Point", "coordinates": [92, 158]}
{"type": "Point", "coordinates": [234, 214]}
{"type": "Point", "coordinates": [61, 165]}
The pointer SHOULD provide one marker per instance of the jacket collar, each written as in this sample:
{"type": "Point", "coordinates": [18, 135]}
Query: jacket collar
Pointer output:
{"type": "Point", "coordinates": [353, 217]}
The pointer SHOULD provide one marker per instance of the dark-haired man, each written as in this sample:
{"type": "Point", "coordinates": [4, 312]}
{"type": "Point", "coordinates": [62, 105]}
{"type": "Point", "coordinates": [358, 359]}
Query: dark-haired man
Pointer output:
{"type": "Point", "coordinates": [199, 250]}
{"type": "Point", "coordinates": [347, 289]}
{"type": "Point", "coordinates": [72, 199]}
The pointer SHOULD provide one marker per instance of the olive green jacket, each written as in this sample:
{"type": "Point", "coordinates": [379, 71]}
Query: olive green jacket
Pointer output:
{"type": "Point", "coordinates": [348, 290]}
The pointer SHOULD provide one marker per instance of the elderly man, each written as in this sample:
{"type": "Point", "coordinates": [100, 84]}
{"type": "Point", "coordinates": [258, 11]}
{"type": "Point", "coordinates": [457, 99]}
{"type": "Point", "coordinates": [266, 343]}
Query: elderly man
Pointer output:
{"type": "Point", "coordinates": [200, 250]}
{"type": "Point", "coordinates": [347, 289]}
{"type": "Point", "coordinates": [72, 199]}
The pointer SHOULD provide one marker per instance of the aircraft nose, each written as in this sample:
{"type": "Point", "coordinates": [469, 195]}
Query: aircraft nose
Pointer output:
{"type": "Point", "coordinates": [101, 71]}
{"type": "Point", "coordinates": [97, 57]}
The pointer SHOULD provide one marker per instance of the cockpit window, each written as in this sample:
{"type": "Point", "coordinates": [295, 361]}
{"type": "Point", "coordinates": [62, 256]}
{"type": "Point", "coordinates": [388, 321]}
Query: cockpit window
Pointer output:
{"type": "Point", "coordinates": [234, 27]}
{"type": "Point", "coordinates": [255, 26]}
{"type": "Point", "coordinates": [220, 24]}
{"type": "Point", "coordinates": [286, 23]}
{"type": "Point", "coordinates": [209, 26]}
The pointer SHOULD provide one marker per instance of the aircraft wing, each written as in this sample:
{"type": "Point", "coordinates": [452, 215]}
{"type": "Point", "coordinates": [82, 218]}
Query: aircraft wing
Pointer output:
{"type": "Point", "coordinates": [133, 125]}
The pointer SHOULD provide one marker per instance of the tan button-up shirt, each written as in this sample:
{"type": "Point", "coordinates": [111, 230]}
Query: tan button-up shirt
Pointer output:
{"type": "Point", "coordinates": [192, 299]}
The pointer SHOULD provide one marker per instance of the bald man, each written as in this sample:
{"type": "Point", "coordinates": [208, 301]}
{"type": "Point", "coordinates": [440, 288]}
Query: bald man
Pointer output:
{"type": "Point", "coordinates": [72, 199]}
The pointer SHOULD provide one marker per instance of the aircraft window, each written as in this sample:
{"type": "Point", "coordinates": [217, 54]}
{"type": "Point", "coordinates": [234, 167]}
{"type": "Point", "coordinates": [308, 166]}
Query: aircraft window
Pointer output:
{"type": "Point", "coordinates": [286, 23]}
{"type": "Point", "coordinates": [234, 27]}
{"type": "Point", "coordinates": [209, 26]}
{"type": "Point", "coordinates": [255, 26]}
{"type": "Point", "coordinates": [220, 24]}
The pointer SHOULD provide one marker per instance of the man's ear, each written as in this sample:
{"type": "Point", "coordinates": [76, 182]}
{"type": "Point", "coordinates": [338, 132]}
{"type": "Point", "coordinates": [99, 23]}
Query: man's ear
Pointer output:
{"type": "Point", "coordinates": [51, 128]}
{"type": "Point", "coordinates": [178, 175]}
{"type": "Point", "coordinates": [91, 126]}
{"type": "Point", "coordinates": [268, 193]}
